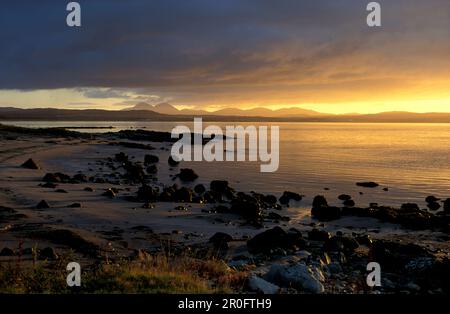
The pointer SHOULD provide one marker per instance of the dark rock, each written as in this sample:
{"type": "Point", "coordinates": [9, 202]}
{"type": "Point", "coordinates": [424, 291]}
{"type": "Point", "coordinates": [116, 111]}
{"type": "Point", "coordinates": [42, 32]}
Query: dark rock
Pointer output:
{"type": "Point", "coordinates": [150, 159]}
{"type": "Point", "coordinates": [88, 189]}
{"type": "Point", "coordinates": [209, 197]}
{"type": "Point", "coordinates": [48, 253]}
{"type": "Point", "coordinates": [326, 213]}
{"type": "Point", "coordinates": [219, 186]}
{"type": "Point", "coordinates": [152, 169]}
{"type": "Point", "coordinates": [109, 193]}
{"type": "Point", "coordinates": [49, 185]}
{"type": "Point", "coordinates": [267, 240]}
{"type": "Point", "coordinates": [30, 164]}
{"type": "Point", "coordinates": [221, 209]}
{"type": "Point", "coordinates": [147, 193]}
{"type": "Point", "coordinates": [447, 206]}
{"type": "Point", "coordinates": [395, 255]}
{"type": "Point", "coordinates": [99, 180]}
{"type": "Point", "coordinates": [386, 189]}
{"type": "Point", "coordinates": [431, 199]}
{"type": "Point", "coordinates": [319, 201]}
{"type": "Point", "coordinates": [148, 206]}
{"type": "Point", "coordinates": [410, 206]}
{"type": "Point", "coordinates": [135, 171]}
{"type": "Point", "coordinates": [165, 196]}
{"type": "Point", "coordinates": [75, 205]}
{"type": "Point", "coordinates": [287, 196]}
{"type": "Point", "coordinates": [51, 177]}
{"type": "Point", "coordinates": [349, 203]}
{"type": "Point", "coordinates": [199, 189]}
{"type": "Point", "coordinates": [81, 178]}
{"type": "Point", "coordinates": [172, 162]}
{"type": "Point", "coordinates": [346, 245]}
{"type": "Point", "coordinates": [318, 235]}
{"type": "Point", "coordinates": [270, 199]}
{"type": "Point", "coordinates": [433, 205]}
{"type": "Point", "coordinates": [187, 175]}
{"type": "Point", "coordinates": [220, 240]}
{"type": "Point", "coordinates": [364, 239]}
{"type": "Point", "coordinates": [42, 205]}
{"type": "Point", "coordinates": [181, 208]}
{"type": "Point", "coordinates": [274, 216]}
{"type": "Point", "coordinates": [248, 207]}
{"type": "Point", "coordinates": [294, 240]}
{"type": "Point", "coordinates": [61, 191]}
{"type": "Point", "coordinates": [183, 195]}
{"type": "Point", "coordinates": [344, 197]}
{"type": "Point", "coordinates": [7, 252]}
{"type": "Point", "coordinates": [369, 184]}
{"type": "Point", "coordinates": [121, 157]}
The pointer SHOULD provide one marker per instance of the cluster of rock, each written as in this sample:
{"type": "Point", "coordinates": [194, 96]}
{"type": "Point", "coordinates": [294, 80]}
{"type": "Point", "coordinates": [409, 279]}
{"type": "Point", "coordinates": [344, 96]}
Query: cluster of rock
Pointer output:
{"type": "Point", "coordinates": [249, 206]}
{"type": "Point", "coordinates": [409, 215]}
{"type": "Point", "coordinates": [286, 260]}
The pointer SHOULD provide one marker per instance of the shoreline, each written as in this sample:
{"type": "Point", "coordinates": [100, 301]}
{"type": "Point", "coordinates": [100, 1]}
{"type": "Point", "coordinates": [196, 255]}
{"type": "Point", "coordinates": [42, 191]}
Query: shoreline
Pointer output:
{"type": "Point", "coordinates": [128, 222]}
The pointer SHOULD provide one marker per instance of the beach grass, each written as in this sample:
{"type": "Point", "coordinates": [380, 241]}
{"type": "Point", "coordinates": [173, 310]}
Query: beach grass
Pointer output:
{"type": "Point", "coordinates": [149, 274]}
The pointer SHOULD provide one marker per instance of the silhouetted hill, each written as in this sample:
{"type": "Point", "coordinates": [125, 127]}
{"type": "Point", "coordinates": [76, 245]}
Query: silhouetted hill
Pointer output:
{"type": "Point", "coordinates": [166, 108]}
{"type": "Point", "coordinates": [51, 114]}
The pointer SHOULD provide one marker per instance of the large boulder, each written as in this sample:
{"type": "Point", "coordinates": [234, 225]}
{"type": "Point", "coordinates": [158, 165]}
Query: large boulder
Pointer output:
{"type": "Point", "coordinates": [275, 238]}
{"type": "Point", "coordinates": [319, 201]}
{"type": "Point", "coordinates": [56, 177]}
{"type": "Point", "coordinates": [7, 252]}
{"type": "Point", "coordinates": [42, 205]}
{"type": "Point", "coordinates": [298, 276]}
{"type": "Point", "coordinates": [187, 175]}
{"type": "Point", "coordinates": [219, 186]}
{"type": "Point", "coordinates": [183, 195]}
{"type": "Point", "coordinates": [431, 199]}
{"type": "Point", "coordinates": [326, 213]}
{"type": "Point", "coordinates": [318, 235]}
{"type": "Point", "coordinates": [199, 189]}
{"type": "Point", "coordinates": [287, 196]}
{"type": "Point", "coordinates": [248, 207]}
{"type": "Point", "coordinates": [152, 169]}
{"type": "Point", "coordinates": [80, 178]}
{"type": "Point", "coordinates": [396, 255]}
{"type": "Point", "coordinates": [150, 159]}
{"type": "Point", "coordinates": [259, 285]}
{"type": "Point", "coordinates": [433, 205]}
{"type": "Point", "coordinates": [121, 157]}
{"type": "Point", "coordinates": [30, 164]}
{"type": "Point", "coordinates": [134, 171]}
{"type": "Point", "coordinates": [266, 241]}
{"type": "Point", "coordinates": [147, 193]}
{"type": "Point", "coordinates": [220, 240]}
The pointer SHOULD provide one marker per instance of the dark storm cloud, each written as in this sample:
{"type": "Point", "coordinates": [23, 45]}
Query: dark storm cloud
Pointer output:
{"type": "Point", "coordinates": [170, 44]}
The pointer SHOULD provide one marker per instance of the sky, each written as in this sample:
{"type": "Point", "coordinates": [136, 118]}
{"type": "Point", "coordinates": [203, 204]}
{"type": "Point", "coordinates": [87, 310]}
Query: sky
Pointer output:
{"type": "Point", "coordinates": [212, 54]}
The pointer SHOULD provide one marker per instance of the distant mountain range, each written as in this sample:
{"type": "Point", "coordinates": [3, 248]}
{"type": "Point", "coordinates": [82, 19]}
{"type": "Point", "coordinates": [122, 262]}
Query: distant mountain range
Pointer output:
{"type": "Point", "coordinates": [166, 108]}
{"type": "Point", "coordinates": [166, 112]}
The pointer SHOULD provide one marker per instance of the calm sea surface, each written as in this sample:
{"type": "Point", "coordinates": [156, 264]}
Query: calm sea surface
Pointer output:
{"type": "Point", "coordinates": [412, 160]}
